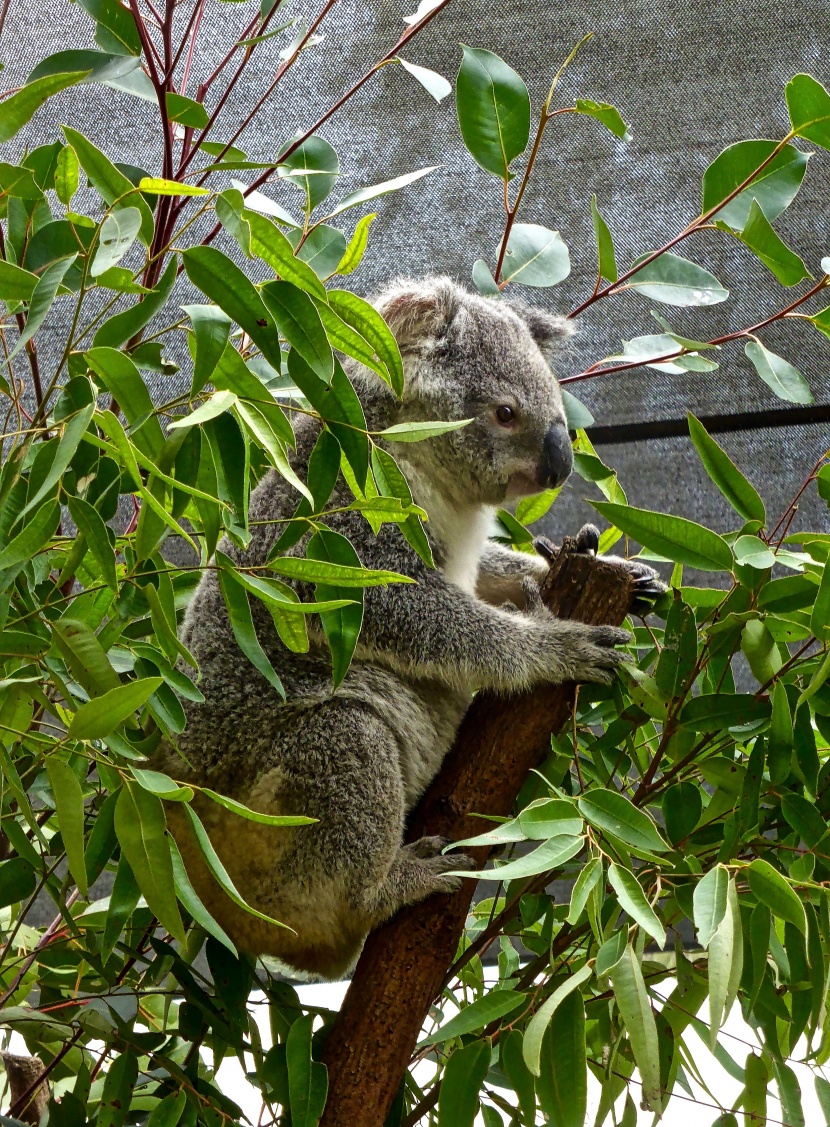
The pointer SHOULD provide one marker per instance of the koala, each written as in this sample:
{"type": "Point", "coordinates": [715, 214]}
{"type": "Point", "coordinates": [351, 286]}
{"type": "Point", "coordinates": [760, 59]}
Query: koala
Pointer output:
{"type": "Point", "coordinates": [359, 758]}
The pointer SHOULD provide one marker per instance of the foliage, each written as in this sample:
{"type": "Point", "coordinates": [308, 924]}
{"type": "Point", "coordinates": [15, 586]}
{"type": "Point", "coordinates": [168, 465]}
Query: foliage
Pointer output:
{"type": "Point", "coordinates": [691, 794]}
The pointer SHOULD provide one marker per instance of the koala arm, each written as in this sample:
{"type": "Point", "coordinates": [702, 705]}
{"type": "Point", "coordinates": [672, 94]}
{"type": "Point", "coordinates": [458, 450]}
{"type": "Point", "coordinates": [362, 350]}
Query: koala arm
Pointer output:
{"type": "Point", "coordinates": [502, 573]}
{"type": "Point", "coordinates": [435, 630]}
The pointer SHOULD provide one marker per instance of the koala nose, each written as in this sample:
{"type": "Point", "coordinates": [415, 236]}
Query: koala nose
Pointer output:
{"type": "Point", "coordinates": [557, 457]}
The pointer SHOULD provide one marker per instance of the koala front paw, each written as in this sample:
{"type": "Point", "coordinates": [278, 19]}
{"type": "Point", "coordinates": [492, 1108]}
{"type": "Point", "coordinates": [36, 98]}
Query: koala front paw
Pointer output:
{"type": "Point", "coordinates": [648, 585]}
{"type": "Point", "coordinates": [591, 655]}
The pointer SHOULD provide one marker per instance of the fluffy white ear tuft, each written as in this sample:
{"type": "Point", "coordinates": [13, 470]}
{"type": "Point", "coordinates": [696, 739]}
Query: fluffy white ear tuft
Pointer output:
{"type": "Point", "coordinates": [418, 312]}
{"type": "Point", "coordinates": [549, 330]}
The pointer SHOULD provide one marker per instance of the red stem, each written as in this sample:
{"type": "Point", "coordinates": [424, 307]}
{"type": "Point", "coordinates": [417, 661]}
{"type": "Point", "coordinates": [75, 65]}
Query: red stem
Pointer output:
{"type": "Point", "coordinates": [695, 225]}
{"type": "Point", "coordinates": [595, 370]}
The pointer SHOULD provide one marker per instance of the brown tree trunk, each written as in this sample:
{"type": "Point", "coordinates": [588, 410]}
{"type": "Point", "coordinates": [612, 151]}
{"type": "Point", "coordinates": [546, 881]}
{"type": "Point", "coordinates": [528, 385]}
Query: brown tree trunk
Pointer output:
{"type": "Point", "coordinates": [404, 962]}
{"type": "Point", "coordinates": [22, 1073]}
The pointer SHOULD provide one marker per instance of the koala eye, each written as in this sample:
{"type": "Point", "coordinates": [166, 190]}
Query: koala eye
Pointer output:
{"type": "Point", "coordinates": [505, 415]}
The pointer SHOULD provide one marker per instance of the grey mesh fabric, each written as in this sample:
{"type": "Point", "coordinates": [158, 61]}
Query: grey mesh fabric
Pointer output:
{"type": "Point", "coordinates": [689, 77]}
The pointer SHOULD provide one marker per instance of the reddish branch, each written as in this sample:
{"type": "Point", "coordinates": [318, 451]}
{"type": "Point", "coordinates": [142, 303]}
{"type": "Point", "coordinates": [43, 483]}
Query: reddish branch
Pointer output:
{"type": "Point", "coordinates": [404, 963]}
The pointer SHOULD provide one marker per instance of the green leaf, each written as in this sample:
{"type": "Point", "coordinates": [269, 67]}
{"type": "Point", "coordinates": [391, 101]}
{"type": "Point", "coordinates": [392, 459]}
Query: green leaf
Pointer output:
{"type": "Point", "coordinates": [187, 112]}
{"type": "Point", "coordinates": [334, 574]}
{"type": "Point", "coordinates": [725, 964]}
{"type": "Point", "coordinates": [535, 256]}
{"type": "Point", "coordinates": [69, 804]}
{"type": "Point", "coordinates": [223, 282]}
{"type": "Point", "coordinates": [161, 785]}
{"type": "Point", "coordinates": [307, 1078]}
{"type": "Point", "coordinates": [808, 104]}
{"type": "Point", "coordinates": [98, 717]}
{"type": "Point", "coordinates": [299, 322]}
{"type": "Point", "coordinates": [635, 1010]}
{"type": "Point", "coordinates": [322, 250]}
{"type": "Point", "coordinates": [18, 880]}
{"type": "Point", "coordinates": [741, 495]}
{"type": "Point", "coordinates": [431, 81]}
{"type": "Point", "coordinates": [753, 552]}
{"type": "Point", "coordinates": [330, 556]}
{"type": "Point", "coordinates": [20, 108]}
{"type": "Point", "coordinates": [211, 328]}
{"type": "Point", "coordinates": [764, 242]}
{"type": "Point", "coordinates": [710, 903]}
{"type": "Point", "coordinates": [41, 300]}
{"type": "Point", "coordinates": [417, 432]}
{"type": "Point", "coordinates": [538, 1024]}
{"type": "Point", "coordinates": [778, 374]}
{"type": "Point", "coordinates": [493, 110]}
{"type": "Point", "coordinates": [715, 712]}
{"type": "Point", "coordinates": [186, 893]}
{"type": "Point", "coordinates": [562, 1086]}
{"type": "Point", "coordinates": [615, 814]}
{"type": "Point", "coordinates": [215, 404]}
{"type": "Point", "coordinates": [16, 284]}
{"type": "Point", "coordinates": [577, 415]}
{"type": "Point", "coordinates": [820, 618]}
{"type": "Point", "coordinates": [606, 259]}
{"type": "Point", "coordinates": [216, 867]}
{"type": "Point", "coordinates": [461, 1083]}
{"type": "Point", "coordinates": [119, 375]}
{"type": "Point", "coordinates": [775, 891]}
{"type": "Point", "coordinates": [677, 281]}
{"type": "Point", "coordinates": [682, 807]}
{"type": "Point", "coordinates": [489, 1007]}
{"type": "Point", "coordinates": [73, 432]}
{"type": "Point", "coordinates": [118, 71]}
{"type": "Point", "coordinates": [116, 25]}
{"type": "Point", "coordinates": [155, 186]}
{"type": "Point", "coordinates": [774, 188]}
{"type": "Point", "coordinates": [789, 1092]}
{"type": "Point", "coordinates": [676, 538]}
{"type": "Point", "coordinates": [256, 815]}
{"type": "Point", "coordinates": [117, 235]}
{"type": "Point", "coordinates": [363, 195]}
{"type": "Point", "coordinates": [583, 886]}
{"type": "Point", "coordinates": [34, 537]}
{"type": "Point", "coordinates": [550, 817]}
{"type": "Point", "coordinates": [354, 252]}
{"type": "Point", "coordinates": [117, 330]}
{"type": "Point", "coordinates": [314, 168]}
{"type": "Point", "coordinates": [242, 625]}
{"type": "Point", "coordinates": [633, 900]}
{"type": "Point", "coordinates": [483, 279]}
{"type": "Point", "coordinates": [270, 244]}
{"type": "Point", "coordinates": [117, 1091]}
{"type": "Point", "coordinates": [607, 115]}
{"type": "Point", "coordinates": [365, 320]}
{"type": "Point", "coordinates": [141, 829]}
{"type": "Point", "coordinates": [679, 653]}
{"type": "Point", "coordinates": [109, 182]}
{"type": "Point", "coordinates": [549, 855]}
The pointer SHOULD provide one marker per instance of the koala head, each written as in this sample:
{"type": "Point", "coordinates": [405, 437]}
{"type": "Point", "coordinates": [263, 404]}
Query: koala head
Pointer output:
{"type": "Point", "coordinates": [469, 357]}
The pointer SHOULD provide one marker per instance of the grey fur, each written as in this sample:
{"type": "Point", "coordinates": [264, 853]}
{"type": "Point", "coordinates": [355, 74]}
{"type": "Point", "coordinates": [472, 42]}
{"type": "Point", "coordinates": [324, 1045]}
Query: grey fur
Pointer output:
{"type": "Point", "coordinates": [359, 759]}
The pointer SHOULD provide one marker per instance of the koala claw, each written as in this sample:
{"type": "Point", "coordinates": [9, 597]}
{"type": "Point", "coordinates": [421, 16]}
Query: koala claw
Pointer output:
{"type": "Point", "coordinates": [428, 846]}
{"type": "Point", "coordinates": [595, 658]}
{"type": "Point", "coordinates": [587, 540]}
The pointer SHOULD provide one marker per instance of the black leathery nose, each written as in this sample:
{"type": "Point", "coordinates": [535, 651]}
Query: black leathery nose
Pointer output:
{"type": "Point", "coordinates": [557, 457]}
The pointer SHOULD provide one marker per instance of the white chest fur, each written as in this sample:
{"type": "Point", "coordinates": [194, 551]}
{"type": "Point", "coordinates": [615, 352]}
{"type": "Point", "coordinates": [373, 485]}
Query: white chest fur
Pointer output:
{"type": "Point", "coordinates": [463, 532]}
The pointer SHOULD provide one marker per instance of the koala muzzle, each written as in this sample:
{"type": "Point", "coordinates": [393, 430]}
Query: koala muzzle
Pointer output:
{"type": "Point", "coordinates": [557, 457]}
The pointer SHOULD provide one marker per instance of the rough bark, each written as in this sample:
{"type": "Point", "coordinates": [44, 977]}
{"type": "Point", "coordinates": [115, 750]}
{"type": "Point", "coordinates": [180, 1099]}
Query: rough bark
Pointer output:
{"type": "Point", "coordinates": [22, 1073]}
{"type": "Point", "coordinates": [404, 962]}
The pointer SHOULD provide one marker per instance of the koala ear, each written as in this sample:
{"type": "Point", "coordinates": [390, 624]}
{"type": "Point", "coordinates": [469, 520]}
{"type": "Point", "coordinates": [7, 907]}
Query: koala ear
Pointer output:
{"type": "Point", "coordinates": [418, 312]}
{"type": "Point", "coordinates": [549, 330]}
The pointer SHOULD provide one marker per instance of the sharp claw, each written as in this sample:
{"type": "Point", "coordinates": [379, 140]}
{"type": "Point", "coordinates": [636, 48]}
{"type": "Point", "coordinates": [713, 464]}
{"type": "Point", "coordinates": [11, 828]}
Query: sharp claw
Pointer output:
{"type": "Point", "coordinates": [545, 548]}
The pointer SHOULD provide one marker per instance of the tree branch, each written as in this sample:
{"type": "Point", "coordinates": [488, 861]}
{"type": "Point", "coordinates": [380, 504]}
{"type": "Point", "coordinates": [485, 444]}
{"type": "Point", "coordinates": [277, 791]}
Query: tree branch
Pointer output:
{"type": "Point", "coordinates": [404, 962]}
